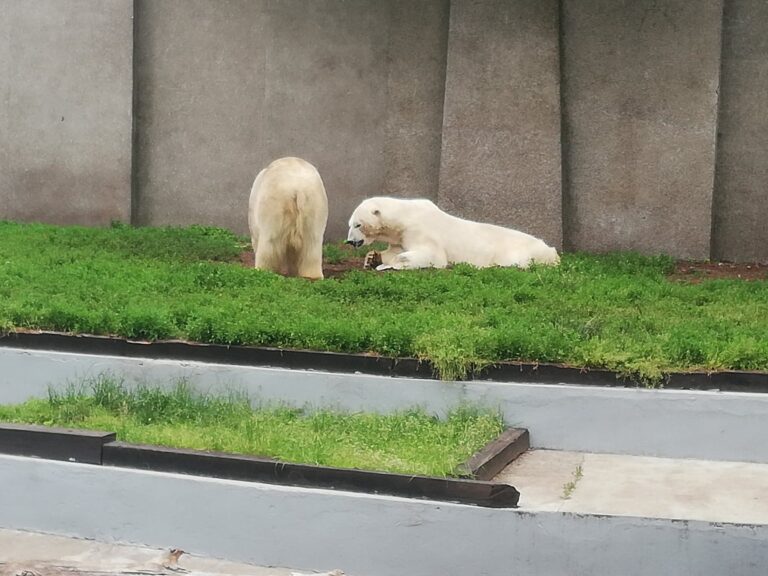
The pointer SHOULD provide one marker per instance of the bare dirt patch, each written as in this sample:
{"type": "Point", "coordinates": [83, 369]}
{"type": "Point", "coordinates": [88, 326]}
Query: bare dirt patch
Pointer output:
{"type": "Point", "coordinates": [695, 272]}
{"type": "Point", "coordinates": [684, 271]}
{"type": "Point", "coordinates": [329, 270]}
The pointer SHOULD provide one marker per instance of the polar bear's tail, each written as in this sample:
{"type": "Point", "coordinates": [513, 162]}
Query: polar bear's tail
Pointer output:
{"type": "Point", "coordinates": [300, 218]}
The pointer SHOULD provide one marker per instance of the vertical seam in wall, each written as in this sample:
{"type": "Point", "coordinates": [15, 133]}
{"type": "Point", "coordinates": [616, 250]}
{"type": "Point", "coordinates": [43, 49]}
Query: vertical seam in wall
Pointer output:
{"type": "Point", "coordinates": [265, 144]}
{"type": "Point", "coordinates": [387, 130]}
{"type": "Point", "coordinates": [565, 188]}
{"type": "Point", "coordinates": [442, 107]}
{"type": "Point", "coordinates": [713, 251]}
{"type": "Point", "coordinates": [134, 201]}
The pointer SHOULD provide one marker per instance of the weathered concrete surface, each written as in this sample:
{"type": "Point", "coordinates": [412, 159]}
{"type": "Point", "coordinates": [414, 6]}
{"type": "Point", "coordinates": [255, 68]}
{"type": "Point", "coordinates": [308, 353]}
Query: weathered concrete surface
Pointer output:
{"type": "Point", "coordinates": [741, 185]}
{"type": "Point", "coordinates": [226, 87]}
{"type": "Point", "coordinates": [5, 88]}
{"type": "Point", "coordinates": [416, 88]}
{"type": "Point", "coordinates": [43, 553]}
{"type": "Point", "coordinates": [326, 99]}
{"type": "Point", "coordinates": [361, 534]}
{"type": "Point", "coordinates": [665, 423]}
{"type": "Point", "coordinates": [199, 104]}
{"type": "Point", "coordinates": [501, 130]}
{"type": "Point", "coordinates": [641, 486]}
{"type": "Point", "coordinates": [640, 82]}
{"type": "Point", "coordinates": [65, 110]}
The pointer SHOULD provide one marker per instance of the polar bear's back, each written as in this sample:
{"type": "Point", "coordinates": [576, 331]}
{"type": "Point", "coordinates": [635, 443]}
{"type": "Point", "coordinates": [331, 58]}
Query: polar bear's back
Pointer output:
{"type": "Point", "coordinates": [287, 216]}
{"type": "Point", "coordinates": [288, 199]}
{"type": "Point", "coordinates": [482, 244]}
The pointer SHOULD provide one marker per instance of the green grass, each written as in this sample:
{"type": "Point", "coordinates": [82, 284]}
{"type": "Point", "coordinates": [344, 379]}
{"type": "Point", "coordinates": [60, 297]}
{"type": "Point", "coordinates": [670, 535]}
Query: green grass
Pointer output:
{"type": "Point", "coordinates": [616, 311]}
{"type": "Point", "coordinates": [410, 442]}
{"type": "Point", "coordinates": [570, 486]}
{"type": "Point", "coordinates": [340, 251]}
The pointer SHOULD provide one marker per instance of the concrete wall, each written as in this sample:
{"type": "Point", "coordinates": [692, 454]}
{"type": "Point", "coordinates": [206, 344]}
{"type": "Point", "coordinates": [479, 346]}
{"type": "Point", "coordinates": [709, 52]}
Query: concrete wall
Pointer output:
{"type": "Point", "coordinates": [360, 533]}
{"type": "Point", "coordinates": [65, 110]}
{"type": "Point", "coordinates": [501, 123]}
{"type": "Point", "coordinates": [199, 96]}
{"type": "Point", "coordinates": [640, 84]}
{"type": "Point", "coordinates": [741, 191]}
{"type": "Point", "coordinates": [225, 87]}
{"type": "Point", "coordinates": [590, 123]}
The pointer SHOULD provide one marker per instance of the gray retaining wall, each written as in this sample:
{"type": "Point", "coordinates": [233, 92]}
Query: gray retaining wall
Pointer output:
{"type": "Point", "coordinates": [364, 535]}
{"type": "Point", "coordinates": [664, 423]}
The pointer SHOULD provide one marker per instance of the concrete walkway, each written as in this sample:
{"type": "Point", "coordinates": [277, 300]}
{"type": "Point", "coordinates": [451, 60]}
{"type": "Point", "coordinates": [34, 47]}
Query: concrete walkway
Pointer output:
{"type": "Point", "coordinates": [585, 483]}
{"type": "Point", "coordinates": [46, 555]}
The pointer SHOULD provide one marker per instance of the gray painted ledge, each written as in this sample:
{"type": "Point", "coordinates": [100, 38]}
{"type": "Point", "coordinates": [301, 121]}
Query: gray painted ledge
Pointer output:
{"type": "Point", "coordinates": [707, 425]}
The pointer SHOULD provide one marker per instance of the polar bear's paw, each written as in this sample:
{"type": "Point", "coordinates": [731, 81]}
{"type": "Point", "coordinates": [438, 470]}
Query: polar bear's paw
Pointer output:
{"type": "Point", "coordinates": [372, 261]}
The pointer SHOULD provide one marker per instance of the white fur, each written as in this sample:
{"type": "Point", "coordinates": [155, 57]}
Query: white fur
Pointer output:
{"type": "Point", "coordinates": [421, 235]}
{"type": "Point", "coordinates": [287, 215]}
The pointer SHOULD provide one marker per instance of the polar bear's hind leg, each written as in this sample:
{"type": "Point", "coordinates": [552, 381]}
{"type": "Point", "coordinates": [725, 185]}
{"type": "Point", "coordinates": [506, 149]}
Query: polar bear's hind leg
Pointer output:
{"type": "Point", "coordinates": [268, 258]}
{"type": "Point", "coordinates": [309, 260]}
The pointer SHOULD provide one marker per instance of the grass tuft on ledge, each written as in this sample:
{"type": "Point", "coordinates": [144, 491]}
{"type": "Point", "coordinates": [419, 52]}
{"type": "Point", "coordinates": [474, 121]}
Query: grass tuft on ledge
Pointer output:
{"type": "Point", "coordinates": [615, 311]}
{"type": "Point", "coordinates": [409, 442]}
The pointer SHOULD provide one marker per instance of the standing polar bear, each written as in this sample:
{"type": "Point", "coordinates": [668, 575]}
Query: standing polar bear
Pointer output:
{"type": "Point", "coordinates": [420, 235]}
{"type": "Point", "coordinates": [287, 215]}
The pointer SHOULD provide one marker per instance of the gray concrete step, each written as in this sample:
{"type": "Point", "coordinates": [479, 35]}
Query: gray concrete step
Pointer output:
{"type": "Point", "coordinates": [585, 483]}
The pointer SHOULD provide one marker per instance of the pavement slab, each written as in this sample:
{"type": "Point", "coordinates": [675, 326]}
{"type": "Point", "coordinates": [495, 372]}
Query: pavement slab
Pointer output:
{"type": "Point", "coordinates": [618, 485]}
{"type": "Point", "coordinates": [34, 554]}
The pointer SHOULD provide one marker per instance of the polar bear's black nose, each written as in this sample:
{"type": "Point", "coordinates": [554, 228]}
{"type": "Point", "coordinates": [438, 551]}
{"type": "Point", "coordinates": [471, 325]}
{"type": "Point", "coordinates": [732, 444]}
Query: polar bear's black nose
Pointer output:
{"type": "Point", "coordinates": [355, 243]}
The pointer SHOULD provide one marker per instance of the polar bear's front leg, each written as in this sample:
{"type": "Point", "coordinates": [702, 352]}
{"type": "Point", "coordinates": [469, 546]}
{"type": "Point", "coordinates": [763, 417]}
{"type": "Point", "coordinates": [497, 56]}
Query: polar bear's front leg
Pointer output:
{"type": "Point", "coordinates": [375, 259]}
{"type": "Point", "coordinates": [418, 258]}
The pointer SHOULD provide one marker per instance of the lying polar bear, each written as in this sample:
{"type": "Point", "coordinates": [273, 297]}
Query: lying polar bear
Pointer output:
{"type": "Point", "coordinates": [287, 215]}
{"type": "Point", "coordinates": [420, 235]}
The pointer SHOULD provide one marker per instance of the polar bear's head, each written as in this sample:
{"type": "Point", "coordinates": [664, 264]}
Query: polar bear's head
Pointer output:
{"type": "Point", "coordinates": [369, 223]}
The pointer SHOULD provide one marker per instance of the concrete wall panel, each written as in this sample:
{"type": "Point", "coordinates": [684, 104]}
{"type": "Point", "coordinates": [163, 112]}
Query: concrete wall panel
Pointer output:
{"type": "Point", "coordinates": [640, 82]}
{"type": "Point", "coordinates": [326, 96]}
{"type": "Point", "coordinates": [5, 93]}
{"type": "Point", "coordinates": [65, 110]}
{"type": "Point", "coordinates": [226, 87]}
{"type": "Point", "coordinates": [200, 88]}
{"type": "Point", "coordinates": [741, 184]}
{"type": "Point", "coordinates": [501, 130]}
{"type": "Point", "coordinates": [418, 42]}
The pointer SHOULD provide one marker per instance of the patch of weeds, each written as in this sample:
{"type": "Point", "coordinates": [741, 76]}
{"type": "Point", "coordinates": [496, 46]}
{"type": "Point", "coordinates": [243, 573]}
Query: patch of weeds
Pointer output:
{"type": "Point", "coordinates": [570, 486]}
{"type": "Point", "coordinates": [455, 352]}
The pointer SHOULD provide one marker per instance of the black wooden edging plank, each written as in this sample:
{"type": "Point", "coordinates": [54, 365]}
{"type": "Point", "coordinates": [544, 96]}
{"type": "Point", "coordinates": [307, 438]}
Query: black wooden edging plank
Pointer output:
{"type": "Point", "coordinates": [249, 468]}
{"type": "Point", "coordinates": [498, 454]}
{"type": "Point", "coordinates": [219, 353]}
{"type": "Point", "coordinates": [728, 380]}
{"type": "Point", "coordinates": [53, 443]}
{"type": "Point", "coordinates": [731, 381]}
{"type": "Point", "coordinates": [550, 374]}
